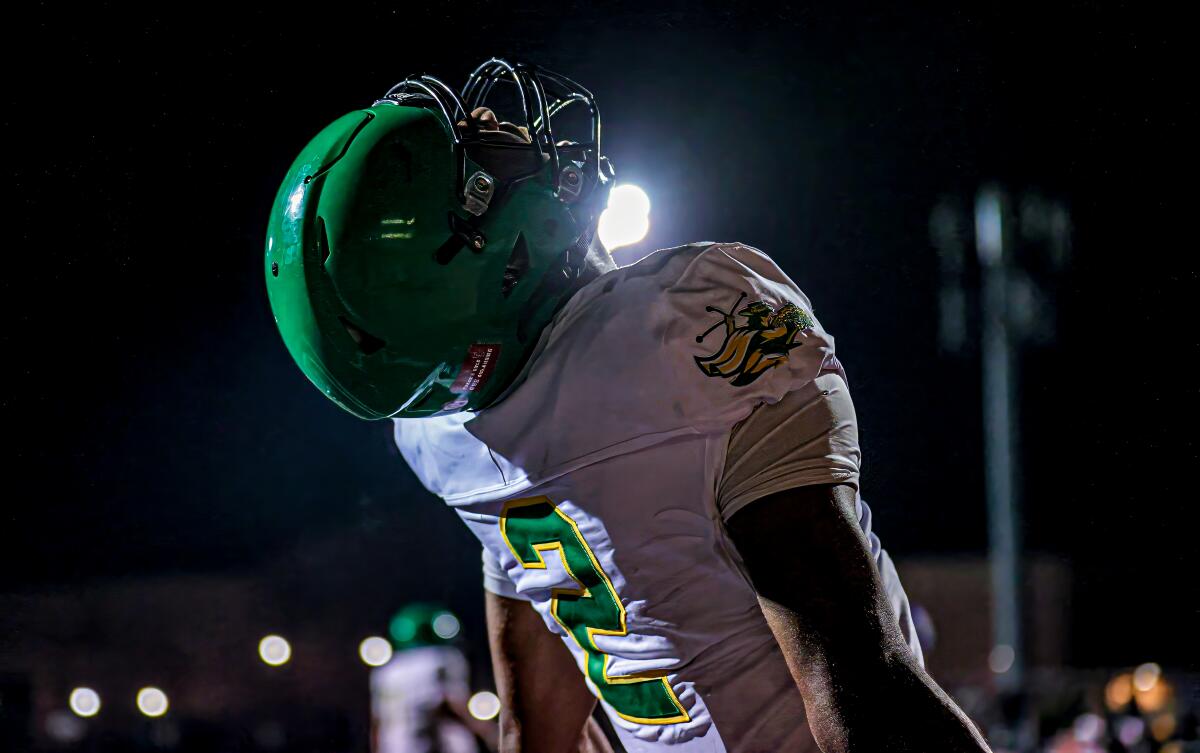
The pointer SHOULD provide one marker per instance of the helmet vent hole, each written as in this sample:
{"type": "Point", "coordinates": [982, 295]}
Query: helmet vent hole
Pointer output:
{"type": "Point", "coordinates": [366, 342]}
{"type": "Point", "coordinates": [518, 265]}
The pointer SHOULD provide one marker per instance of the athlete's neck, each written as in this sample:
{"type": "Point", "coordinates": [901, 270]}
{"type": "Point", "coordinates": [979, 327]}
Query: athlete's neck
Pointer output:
{"type": "Point", "coordinates": [597, 262]}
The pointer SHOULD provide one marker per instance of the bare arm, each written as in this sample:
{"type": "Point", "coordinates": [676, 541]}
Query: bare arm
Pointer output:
{"type": "Point", "coordinates": [545, 705]}
{"type": "Point", "coordinates": [821, 594]}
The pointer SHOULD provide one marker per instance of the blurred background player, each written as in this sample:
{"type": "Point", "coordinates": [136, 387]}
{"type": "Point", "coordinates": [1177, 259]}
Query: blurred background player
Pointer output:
{"type": "Point", "coordinates": [419, 698]}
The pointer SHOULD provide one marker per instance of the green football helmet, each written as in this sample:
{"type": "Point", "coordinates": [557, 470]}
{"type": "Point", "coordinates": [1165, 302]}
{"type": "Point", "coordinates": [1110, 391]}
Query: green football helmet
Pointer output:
{"type": "Point", "coordinates": [422, 625]}
{"type": "Point", "coordinates": [406, 278]}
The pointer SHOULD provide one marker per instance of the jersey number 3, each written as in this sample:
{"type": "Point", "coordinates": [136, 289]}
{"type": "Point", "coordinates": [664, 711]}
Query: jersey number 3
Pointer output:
{"type": "Point", "coordinates": [534, 526]}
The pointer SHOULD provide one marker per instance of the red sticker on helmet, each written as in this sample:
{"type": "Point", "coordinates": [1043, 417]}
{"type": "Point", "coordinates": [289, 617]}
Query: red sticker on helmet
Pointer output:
{"type": "Point", "coordinates": [476, 367]}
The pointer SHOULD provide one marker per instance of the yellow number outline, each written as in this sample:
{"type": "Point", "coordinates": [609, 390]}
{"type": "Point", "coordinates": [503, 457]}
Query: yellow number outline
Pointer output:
{"type": "Point", "coordinates": [582, 591]}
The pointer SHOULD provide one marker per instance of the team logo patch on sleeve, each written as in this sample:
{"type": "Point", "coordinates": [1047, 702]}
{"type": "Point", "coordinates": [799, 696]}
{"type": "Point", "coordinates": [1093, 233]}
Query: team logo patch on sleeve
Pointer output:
{"type": "Point", "coordinates": [760, 343]}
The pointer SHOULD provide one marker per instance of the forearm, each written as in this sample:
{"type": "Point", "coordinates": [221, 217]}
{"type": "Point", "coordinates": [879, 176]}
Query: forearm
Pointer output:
{"type": "Point", "coordinates": [545, 705]}
{"type": "Point", "coordinates": [591, 740]}
{"type": "Point", "coordinates": [860, 701]}
{"type": "Point", "coordinates": [821, 595]}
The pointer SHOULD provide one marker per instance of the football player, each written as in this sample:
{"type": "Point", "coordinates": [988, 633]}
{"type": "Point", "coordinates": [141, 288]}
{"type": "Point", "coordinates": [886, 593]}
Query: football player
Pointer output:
{"type": "Point", "coordinates": [419, 698]}
{"type": "Point", "coordinates": [661, 460]}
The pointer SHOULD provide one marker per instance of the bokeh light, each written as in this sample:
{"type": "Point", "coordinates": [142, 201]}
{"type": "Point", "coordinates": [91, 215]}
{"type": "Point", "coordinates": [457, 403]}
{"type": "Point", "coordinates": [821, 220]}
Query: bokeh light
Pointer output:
{"type": "Point", "coordinates": [84, 702]}
{"type": "Point", "coordinates": [484, 705]}
{"type": "Point", "coordinates": [1000, 660]}
{"type": "Point", "coordinates": [1119, 691]}
{"type": "Point", "coordinates": [1155, 698]}
{"type": "Point", "coordinates": [64, 728]}
{"type": "Point", "coordinates": [152, 702]}
{"type": "Point", "coordinates": [375, 651]}
{"type": "Point", "coordinates": [1146, 676]}
{"type": "Point", "coordinates": [446, 626]}
{"type": "Point", "coordinates": [1162, 727]}
{"type": "Point", "coordinates": [1088, 728]}
{"type": "Point", "coordinates": [626, 220]}
{"type": "Point", "coordinates": [274, 650]}
{"type": "Point", "coordinates": [403, 628]}
{"type": "Point", "coordinates": [1130, 730]}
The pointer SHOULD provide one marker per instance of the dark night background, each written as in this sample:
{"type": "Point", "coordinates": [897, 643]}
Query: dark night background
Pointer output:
{"type": "Point", "coordinates": [155, 425]}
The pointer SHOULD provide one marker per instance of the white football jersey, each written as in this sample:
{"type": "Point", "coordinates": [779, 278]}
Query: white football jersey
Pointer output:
{"type": "Point", "coordinates": [593, 487]}
{"type": "Point", "coordinates": [407, 698]}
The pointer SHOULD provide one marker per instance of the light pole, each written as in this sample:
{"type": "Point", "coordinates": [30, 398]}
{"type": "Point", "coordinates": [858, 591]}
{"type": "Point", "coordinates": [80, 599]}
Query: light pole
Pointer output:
{"type": "Point", "coordinates": [1017, 256]}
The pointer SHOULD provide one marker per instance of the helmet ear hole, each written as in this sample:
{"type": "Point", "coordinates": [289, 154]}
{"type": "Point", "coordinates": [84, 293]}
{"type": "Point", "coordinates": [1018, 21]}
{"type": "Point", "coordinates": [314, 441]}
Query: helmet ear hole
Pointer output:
{"type": "Point", "coordinates": [518, 265]}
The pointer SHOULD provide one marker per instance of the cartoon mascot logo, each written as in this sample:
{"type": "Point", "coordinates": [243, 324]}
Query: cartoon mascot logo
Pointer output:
{"type": "Point", "coordinates": [758, 345]}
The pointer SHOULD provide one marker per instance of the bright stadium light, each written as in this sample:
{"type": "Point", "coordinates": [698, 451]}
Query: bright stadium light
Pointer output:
{"type": "Point", "coordinates": [446, 626]}
{"type": "Point", "coordinates": [84, 702]}
{"type": "Point", "coordinates": [626, 220]}
{"type": "Point", "coordinates": [484, 705]}
{"type": "Point", "coordinates": [274, 650]}
{"type": "Point", "coordinates": [375, 651]}
{"type": "Point", "coordinates": [152, 701]}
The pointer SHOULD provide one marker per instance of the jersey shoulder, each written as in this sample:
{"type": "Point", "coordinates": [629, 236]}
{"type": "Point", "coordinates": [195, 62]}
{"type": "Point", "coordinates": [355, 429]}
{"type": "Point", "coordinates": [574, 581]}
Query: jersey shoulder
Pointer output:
{"type": "Point", "coordinates": [686, 341]}
{"type": "Point", "coordinates": [740, 318]}
{"type": "Point", "coordinates": [688, 337]}
{"type": "Point", "coordinates": [669, 283]}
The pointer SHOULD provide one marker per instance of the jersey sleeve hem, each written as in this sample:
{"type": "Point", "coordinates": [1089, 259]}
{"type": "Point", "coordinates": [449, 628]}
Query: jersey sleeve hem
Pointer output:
{"type": "Point", "coordinates": [502, 586]}
{"type": "Point", "coordinates": [496, 581]}
{"type": "Point", "coordinates": [808, 438]}
{"type": "Point", "coordinates": [731, 506]}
